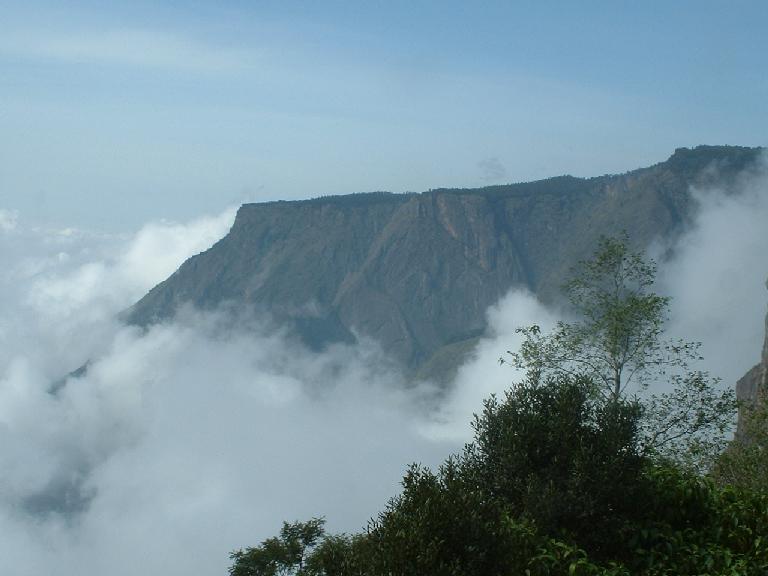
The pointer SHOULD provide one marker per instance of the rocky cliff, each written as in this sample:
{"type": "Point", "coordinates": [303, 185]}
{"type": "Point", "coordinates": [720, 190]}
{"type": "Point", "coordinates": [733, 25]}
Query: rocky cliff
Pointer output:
{"type": "Point", "coordinates": [752, 382]}
{"type": "Point", "coordinates": [417, 271]}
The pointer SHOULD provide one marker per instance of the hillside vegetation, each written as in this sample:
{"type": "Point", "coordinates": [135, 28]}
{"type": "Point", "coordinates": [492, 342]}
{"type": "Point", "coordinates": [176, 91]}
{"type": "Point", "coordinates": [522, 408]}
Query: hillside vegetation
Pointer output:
{"type": "Point", "coordinates": [568, 473]}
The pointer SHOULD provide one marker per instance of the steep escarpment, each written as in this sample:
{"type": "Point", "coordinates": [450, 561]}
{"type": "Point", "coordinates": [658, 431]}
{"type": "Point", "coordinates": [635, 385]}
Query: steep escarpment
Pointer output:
{"type": "Point", "coordinates": [749, 386]}
{"type": "Point", "coordinates": [416, 272]}
{"type": "Point", "coordinates": [284, 258]}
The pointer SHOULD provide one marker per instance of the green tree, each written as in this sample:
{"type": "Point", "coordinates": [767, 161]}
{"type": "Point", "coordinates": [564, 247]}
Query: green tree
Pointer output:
{"type": "Point", "coordinates": [283, 555]}
{"type": "Point", "coordinates": [690, 424]}
{"type": "Point", "coordinates": [552, 484]}
{"type": "Point", "coordinates": [561, 458]}
{"type": "Point", "coordinates": [618, 339]}
{"type": "Point", "coordinates": [550, 473]}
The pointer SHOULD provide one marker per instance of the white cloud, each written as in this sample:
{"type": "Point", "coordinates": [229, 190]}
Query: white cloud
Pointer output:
{"type": "Point", "coordinates": [482, 375]}
{"type": "Point", "coordinates": [61, 290]}
{"type": "Point", "coordinates": [192, 441]}
{"type": "Point", "coordinates": [115, 282]}
{"type": "Point", "coordinates": [492, 170]}
{"type": "Point", "coordinates": [717, 277]}
{"type": "Point", "coordinates": [141, 48]}
{"type": "Point", "coordinates": [160, 247]}
{"type": "Point", "coordinates": [8, 220]}
{"type": "Point", "coordinates": [188, 440]}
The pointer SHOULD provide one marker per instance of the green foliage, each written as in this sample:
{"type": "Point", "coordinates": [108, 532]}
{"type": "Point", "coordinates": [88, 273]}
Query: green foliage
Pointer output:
{"type": "Point", "coordinates": [619, 339]}
{"type": "Point", "coordinates": [557, 557]}
{"type": "Point", "coordinates": [745, 463]}
{"type": "Point", "coordinates": [553, 483]}
{"type": "Point", "coordinates": [559, 457]}
{"type": "Point", "coordinates": [444, 524]}
{"type": "Point", "coordinates": [339, 555]}
{"type": "Point", "coordinates": [566, 475]}
{"type": "Point", "coordinates": [688, 425]}
{"type": "Point", "coordinates": [283, 555]}
{"type": "Point", "coordinates": [691, 526]}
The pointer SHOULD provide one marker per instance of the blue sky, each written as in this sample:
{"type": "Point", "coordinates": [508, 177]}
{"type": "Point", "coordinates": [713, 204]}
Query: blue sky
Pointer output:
{"type": "Point", "coordinates": [115, 113]}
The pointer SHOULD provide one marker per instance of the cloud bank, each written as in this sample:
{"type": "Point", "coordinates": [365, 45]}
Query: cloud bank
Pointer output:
{"type": "Point", "coordinates": [185, 441]}
{"type": "Point", "coordinates": [716, 276]}
{"type": "Point", "coordinates": [203, 434]}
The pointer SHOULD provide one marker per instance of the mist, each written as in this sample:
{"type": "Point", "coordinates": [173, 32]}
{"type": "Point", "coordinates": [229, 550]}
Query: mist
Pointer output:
{"type": "Point", "coordinates": [717, 274]}
{"type": "Point", "coordinates": [201, 435]}
{"type": "Point", "coordinates": [184, 441]}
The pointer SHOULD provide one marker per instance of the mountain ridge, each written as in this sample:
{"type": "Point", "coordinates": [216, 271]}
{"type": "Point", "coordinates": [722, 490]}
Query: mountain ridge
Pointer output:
{"type": "Point", "coordinates": [417, 271]}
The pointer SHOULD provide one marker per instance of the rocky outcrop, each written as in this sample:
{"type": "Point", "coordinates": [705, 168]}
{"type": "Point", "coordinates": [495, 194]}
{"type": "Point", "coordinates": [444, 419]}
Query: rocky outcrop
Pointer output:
{"type": "Point", "coordinates": [749, 386]}
{"type": "Point", "coordinates": [418, 271]}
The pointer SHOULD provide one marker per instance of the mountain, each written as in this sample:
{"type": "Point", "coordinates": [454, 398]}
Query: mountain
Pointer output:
{"type": "Point", "coordinates": [417, 272]}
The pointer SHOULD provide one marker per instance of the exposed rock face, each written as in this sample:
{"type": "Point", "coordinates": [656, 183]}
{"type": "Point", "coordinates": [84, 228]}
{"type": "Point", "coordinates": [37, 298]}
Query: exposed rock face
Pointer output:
{"type": "Point", "coordinates": [752, 382]}
{"type": "Point", "coordinates": [418, 271]}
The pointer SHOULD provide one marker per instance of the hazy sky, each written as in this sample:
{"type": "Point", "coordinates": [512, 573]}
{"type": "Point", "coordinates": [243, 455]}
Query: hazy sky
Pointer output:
{"type": "Point", "coordinates": [113, 114]}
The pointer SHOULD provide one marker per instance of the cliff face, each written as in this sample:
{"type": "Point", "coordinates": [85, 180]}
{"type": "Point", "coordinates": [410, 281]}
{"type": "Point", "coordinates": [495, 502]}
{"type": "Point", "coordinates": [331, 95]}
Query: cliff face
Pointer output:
{"type": "Point", "coordinates": [417, 271]}
{"type": "Point", "coordinates": [752, 382]}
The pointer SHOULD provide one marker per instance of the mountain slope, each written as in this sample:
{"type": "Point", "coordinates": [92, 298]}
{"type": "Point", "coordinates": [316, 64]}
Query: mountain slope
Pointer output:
{"type": "Point", "coordinates": [417, 271]}
{"type": "Point", "coordinates": [749, 385]}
